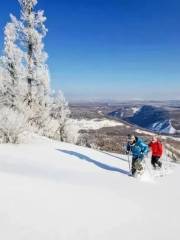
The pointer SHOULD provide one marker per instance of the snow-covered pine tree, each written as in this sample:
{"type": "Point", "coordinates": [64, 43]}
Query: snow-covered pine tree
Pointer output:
{"type": "Point", "coordinates": [13, 71]}
{"type": "Point", "coordinates": [13, 121]}
{"type": "Point", "coordinates": [60, 112]}
{"type": "Point", "coordinates": [32, 32]}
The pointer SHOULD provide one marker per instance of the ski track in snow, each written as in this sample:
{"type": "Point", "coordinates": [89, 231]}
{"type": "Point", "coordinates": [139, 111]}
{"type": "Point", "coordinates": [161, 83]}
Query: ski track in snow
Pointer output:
{"type": "Point", "coordinates": [52, 191]}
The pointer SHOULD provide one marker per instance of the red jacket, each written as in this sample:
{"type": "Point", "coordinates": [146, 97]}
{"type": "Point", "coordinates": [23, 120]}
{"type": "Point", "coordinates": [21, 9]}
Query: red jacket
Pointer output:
{"type": "Point", "coordinates": [156, 148]}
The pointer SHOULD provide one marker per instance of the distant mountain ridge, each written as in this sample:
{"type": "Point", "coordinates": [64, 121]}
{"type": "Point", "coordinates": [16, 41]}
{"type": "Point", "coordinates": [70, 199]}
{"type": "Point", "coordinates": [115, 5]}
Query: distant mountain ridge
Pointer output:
{"type": "Point", "coordinates": [150, 117]}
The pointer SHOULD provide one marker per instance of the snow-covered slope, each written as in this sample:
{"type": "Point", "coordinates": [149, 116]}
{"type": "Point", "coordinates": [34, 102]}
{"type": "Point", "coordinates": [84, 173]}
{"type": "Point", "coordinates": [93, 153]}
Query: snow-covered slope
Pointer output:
{"type": "Point", "coordinates": [163, 127]}
{"type": "Point", "coordinates": [58, 191]}
{"type": "Point", "coordinates": [157, 119]}
{"type": "Point", "coordinates": [74, 126]}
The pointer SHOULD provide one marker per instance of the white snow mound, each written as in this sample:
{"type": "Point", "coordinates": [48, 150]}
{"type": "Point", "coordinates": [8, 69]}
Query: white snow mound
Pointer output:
{"type": "Point", "coordinates": [52, 191]}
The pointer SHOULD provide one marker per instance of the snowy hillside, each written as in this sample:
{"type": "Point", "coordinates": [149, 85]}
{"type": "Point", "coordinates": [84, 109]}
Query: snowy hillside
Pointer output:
{"type": "Point", "coordinates": [157, 119]}
{"type": "Point", "coordinates": [163, 127]}
{"type": "Point", "coordinates": [74, 126]}
{"type": "Point", "coordinates": [52, 190]}
{"type": "Point", "coordinates": [92, 124]}
{"type": "Point", "coordinates": [154, 118]}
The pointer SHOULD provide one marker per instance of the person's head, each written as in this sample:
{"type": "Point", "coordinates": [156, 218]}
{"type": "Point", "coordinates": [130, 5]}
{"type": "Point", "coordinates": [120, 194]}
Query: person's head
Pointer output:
{"type": "Point", "coordinates": [154, 139]}
{"type": "Point", "coordinates": [131, 138]}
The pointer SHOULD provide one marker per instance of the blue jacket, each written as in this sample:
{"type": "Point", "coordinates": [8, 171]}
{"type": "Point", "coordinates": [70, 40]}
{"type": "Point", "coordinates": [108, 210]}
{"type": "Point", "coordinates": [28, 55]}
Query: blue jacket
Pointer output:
{"type": "Point", "coordinates": [138, 149]}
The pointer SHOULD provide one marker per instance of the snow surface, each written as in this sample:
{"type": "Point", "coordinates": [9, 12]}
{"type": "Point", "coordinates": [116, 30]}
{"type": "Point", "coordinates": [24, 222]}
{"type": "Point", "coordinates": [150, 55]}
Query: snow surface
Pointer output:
{"type": "Point", "coordinates": [52, 190]}
{"type": "Point", "coordinates": [135, 109]}
{"type": "Point", "coordinates": [94, 124]}
{"type": "Point", "coordinates": [74, 126]}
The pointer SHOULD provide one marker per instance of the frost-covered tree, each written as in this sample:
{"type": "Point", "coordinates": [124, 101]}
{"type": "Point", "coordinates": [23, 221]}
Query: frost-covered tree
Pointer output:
{"type": "Point", "coordinates": [60, 112]}
{"type": "Point", "coordinates": [13, 120]}
{"type": "Point", "coordinates": [32, 29]}
{"type": "Point", "coordinates": [12, 84]}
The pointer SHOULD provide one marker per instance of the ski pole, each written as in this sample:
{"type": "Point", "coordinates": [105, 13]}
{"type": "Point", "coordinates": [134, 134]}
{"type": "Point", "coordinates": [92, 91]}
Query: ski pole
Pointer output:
{"type": "Point", "coordinates": [164, 164]}
{"type": "Point", "coordinates": [165, 158]}
{"type": "Point", "coordinates": [146, 165]}
{"type": "Point", "coordinates": [129, 163]}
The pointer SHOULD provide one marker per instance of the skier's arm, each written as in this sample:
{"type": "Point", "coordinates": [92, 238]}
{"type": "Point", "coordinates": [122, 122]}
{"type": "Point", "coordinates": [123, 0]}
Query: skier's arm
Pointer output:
{"type": "Point", "coordinates": [144, 148]}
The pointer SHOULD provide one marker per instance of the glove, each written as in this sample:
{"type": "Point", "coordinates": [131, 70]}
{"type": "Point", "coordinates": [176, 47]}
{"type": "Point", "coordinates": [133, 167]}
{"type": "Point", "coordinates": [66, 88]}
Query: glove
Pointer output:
{"type": "Point", "coordinates": [127, 152]}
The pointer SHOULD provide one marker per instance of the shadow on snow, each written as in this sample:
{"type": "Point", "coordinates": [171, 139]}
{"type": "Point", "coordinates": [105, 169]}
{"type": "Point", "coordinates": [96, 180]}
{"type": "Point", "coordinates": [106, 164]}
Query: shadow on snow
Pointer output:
{"type": "Point", "coordinates": [95, 162]}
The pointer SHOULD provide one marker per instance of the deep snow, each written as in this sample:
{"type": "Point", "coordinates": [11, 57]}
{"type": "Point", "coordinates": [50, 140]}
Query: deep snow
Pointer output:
{"type": "Point", "coordinates": [58, 191]}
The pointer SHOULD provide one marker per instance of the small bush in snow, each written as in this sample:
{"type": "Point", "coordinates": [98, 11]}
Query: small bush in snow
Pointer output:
{"type": "Point", "coordinates": [12, 125]}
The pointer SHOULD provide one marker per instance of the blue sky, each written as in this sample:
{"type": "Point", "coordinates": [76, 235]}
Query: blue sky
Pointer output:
{"type": "Point", "coordinates": [111, 49]}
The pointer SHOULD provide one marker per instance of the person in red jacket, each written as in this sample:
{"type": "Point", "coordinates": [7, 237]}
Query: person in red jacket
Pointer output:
{"type": "Point", "coordinates": [157, 151]}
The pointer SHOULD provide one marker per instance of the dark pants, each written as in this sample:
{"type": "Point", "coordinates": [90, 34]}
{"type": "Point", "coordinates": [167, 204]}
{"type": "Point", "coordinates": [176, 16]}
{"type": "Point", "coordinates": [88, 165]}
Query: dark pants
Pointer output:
{"type": "Point", "coordinates": [135, 160]}
{"type": "Point", "coordinates": [155, 161]}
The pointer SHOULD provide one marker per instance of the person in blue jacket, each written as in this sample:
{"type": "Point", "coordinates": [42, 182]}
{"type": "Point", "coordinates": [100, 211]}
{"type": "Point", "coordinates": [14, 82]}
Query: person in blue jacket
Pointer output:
{"type": "Point", "coordinates": [138, 149]}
